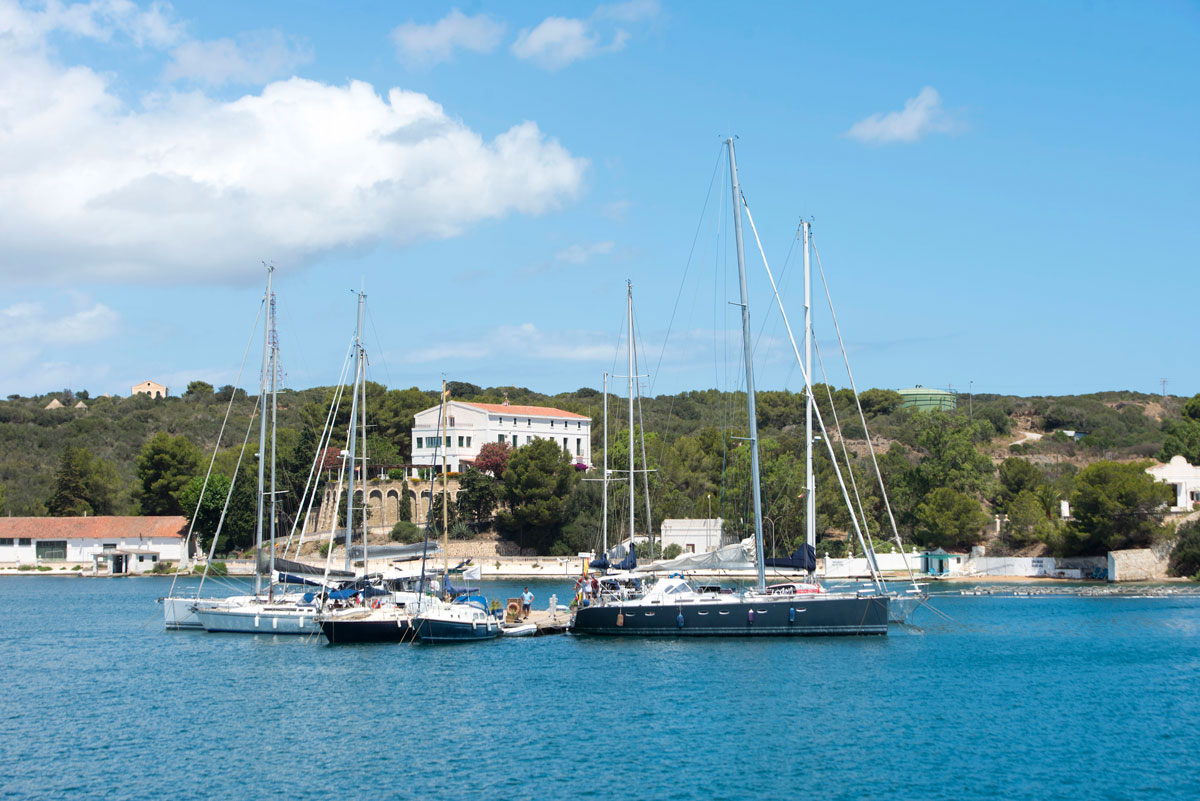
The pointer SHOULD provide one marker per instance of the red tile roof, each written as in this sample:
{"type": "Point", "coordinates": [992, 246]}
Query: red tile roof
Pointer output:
{"type": "Point", "coordinates": [92, 528]}
{"type": "Point", "coordinates": [525, 411]}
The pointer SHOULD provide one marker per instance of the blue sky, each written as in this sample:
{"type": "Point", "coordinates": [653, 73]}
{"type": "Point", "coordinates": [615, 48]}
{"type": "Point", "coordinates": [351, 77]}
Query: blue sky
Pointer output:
{"type": "Point", "coordinates": [1004, 195]}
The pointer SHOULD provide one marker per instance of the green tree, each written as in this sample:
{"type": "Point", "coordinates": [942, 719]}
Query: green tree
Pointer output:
{"type": "Point", "coordinates": [1018, 475]}
{"type": "Point", "coordinates": [948, 518]}
{"type": "Point", "coordinates": [1116, 505]}
{"type": "Point", "coordinates": [3, 499]}
{"type": "Point", "coordinates": [537, 483]}
{"type": "Point", "coordinates": [83, 485]}
{"type": "Point", "coordinates": [1185, 557]}
{"type": "Point", "coordinates": [435, 513]}
{"type": "Point", "coordinates": [201, 390]}
{"type": "Point", "coordinates": [478, 494]}
{"type": "Point", "coordinates": [951, 459]}
{"type": "Point", "coordinates": [237, 532]}
{"type": "Point", "coordinates": [164, 466]}
{"type": "Point", "coordinates": [1027, 520]}
{"type": "Point", "coordinates": [879, 401]}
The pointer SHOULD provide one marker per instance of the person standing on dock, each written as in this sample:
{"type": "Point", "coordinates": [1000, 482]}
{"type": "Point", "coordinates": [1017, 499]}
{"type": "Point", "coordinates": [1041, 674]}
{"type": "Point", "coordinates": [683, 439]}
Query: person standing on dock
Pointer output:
{"type": "Point", "coordinates": [526, 602]}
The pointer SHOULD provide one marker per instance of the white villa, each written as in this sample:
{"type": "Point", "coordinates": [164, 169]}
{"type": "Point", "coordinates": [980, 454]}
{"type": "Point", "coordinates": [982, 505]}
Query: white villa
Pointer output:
{"type": "Point", "coordinates": [692, 536]}
{"type": "Point", "coordinates": [470, 425]}
{"type": "Point", "coordinates": [1184, 478]}
{"type": "Point", "coordinates": [124, 544]}
{"type": "Point", "coordinates": [151, 388]}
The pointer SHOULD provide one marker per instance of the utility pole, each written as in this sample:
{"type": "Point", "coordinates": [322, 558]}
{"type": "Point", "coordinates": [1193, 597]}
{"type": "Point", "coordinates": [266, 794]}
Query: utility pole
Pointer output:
{"type": "Point", "coordinates": [1164, 383]}
{"type": "Point", "coordinates": [971, 399]}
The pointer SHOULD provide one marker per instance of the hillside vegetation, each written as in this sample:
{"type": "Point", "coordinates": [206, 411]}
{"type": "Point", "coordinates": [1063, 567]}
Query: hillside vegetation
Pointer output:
{"type": "Point", "coordinates": [948, 474]}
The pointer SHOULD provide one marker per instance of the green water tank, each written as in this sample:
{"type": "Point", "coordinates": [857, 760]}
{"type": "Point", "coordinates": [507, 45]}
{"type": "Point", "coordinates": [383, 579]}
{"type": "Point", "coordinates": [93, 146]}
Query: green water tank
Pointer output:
{"type": "Point", "coordinates": [924, 398]}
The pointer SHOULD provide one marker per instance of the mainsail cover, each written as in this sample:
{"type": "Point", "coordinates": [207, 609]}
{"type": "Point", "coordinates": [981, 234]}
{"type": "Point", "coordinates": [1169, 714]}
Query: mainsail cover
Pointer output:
{"type": "Point", "coordinates": [298, 568]}
{"type": "Point", "coordinates": [731, 557]}
{"type": "Point", "coordinates": [396, 552]}
{"type": "Point", "coordinates": [805, 558]}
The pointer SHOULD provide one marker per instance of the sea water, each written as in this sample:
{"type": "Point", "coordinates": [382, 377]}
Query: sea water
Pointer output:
{"type": "Point", "coordinates": [995, 697]}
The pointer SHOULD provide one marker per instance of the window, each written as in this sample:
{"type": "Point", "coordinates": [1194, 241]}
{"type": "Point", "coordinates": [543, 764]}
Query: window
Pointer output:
{"type": "Point", "coordinates": [52, 550]}
{"type": "Point", "coordinates": [25, 541]}
{"type": "Point", "coordinates": [528, 439]}
{"type": "Point", "coordinates": [565, 448]}
{"type": "Point", "coordinates": [552, 424]}
{"type": "Point", "coordinates": [452, 422]}
{"type": "Point", "coordinates": [578, 446]}
{"type": "Point", "coordinates": [5, 541]}
{"type": "Point", "coordinates": [460, 441]}
{"type": "Point", "coordinates": [468, 442]}
{"type": "Point", "coordinates": [108, 546]}
{"type": "Point", "coordinates": [447, 440]}
{"type": "Point", "coordinates": [420, 441]}
{"type": "Point", "coordinates": [528, 421]}
{"type": "Point", "coordinates": [501, 438]}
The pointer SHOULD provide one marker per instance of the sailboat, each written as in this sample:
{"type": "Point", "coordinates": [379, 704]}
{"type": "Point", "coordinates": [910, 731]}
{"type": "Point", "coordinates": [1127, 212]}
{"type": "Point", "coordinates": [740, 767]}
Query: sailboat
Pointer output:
{"type": "Point", "coordinates": [672, 606]}
{"type": "Point", "coordinates": [446, 619]}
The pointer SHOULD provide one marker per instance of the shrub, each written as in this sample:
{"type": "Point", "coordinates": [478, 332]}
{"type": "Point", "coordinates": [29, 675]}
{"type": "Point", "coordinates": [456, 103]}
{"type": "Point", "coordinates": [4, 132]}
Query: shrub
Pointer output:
{"type": "Point", "coordinates": [44, 568]}
{"type": "Point", "coordinates": [1185, 558]}
{"type": "Point", "coordinates": [461, 531]}
{"type": "Point", "coordinates": [396, 473]}
{"type": "Point", "coordinates": [407, 533]}
{"type": "Point", "coordinates": [24, 567]}
{"type": "Point", "coordinates": [323, 549]}
{"type": "Point", "coordinates": [77, 567]}
{"type": "Point", "coordinates": [673, 550]}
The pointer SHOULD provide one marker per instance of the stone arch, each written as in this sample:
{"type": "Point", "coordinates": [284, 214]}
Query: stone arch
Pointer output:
{"type": "Point", "coordinates": [391, 505]}
{"type": "Point", "coordinates": [374, 509]}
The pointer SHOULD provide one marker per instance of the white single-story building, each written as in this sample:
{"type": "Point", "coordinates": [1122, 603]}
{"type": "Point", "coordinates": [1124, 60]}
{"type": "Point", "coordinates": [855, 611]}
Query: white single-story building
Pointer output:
{"type": "Point", "coordinates": [126, 544]}
{"type": "Point", "coordinates": [469, 425]}
{"type": "Point", "coordinates": [692, 536]}
{"type": "Point", "coordinates": [1184, 478]}
{"type": "Point", "coordinates": [942, 563]}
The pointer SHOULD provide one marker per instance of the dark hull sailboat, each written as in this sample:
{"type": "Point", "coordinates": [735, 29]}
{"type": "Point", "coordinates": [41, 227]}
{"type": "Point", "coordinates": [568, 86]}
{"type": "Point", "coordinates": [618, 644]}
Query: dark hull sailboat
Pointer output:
{"type": "Point", "coordinates": [795, 616]}
{"type": "Point", "coordinates": [366, 627]}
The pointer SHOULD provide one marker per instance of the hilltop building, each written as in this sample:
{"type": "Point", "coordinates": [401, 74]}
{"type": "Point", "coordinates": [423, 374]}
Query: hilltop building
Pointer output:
{"type": "Point", "coordinates": [470, 425]}
{"type": "Point", "coordinates": [925, 399]}
{"type": "Point", "coordinates": [149, 388]}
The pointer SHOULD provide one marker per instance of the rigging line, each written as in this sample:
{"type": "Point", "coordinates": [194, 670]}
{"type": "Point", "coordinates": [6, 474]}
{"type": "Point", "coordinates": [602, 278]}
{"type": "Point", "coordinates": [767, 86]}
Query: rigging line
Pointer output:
{"type": "Point", "coordinates": [379, 344]}
{"type": "Point", "coordinates": [326, 432]}
{"type": "Point", "coordinates": [816, 408]}
{"type": "Point", "coordinates": [783, 275]}
{"type": "Point", "coordinates": [687, 266]}
{"type": "Point", "coordinates": [187, 541]}
{"type": "Point", "coordinates": [228, 495]}
{"type": "Point", "coordinates": [861, 416]}
{"type": "Point", "coordinates": [837, 426]}
{"type": "Point", "coordinates": [642, 438]}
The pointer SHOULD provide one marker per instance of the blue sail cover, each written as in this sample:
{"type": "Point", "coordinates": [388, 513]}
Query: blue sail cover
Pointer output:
{"type": "Point", "coordinates": [805, 558]}
{"type": "Point", "coordinates": [629, 562]}
{"type": "Point", "coordinates": [600, 562]}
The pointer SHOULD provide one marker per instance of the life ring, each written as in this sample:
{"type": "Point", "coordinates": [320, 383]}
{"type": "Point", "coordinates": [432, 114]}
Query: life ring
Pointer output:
{"type": "Point", "coordinates": [514, 609]}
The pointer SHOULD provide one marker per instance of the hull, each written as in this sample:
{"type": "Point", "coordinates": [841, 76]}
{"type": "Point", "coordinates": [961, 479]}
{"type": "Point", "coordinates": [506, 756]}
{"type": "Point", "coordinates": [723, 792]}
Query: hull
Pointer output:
{"type": "Point", "coordinates": [179, 613]}
{"type": "Point", "coordinates": [431, 629]}
{"type": "Point", "coordinates": [259, 620]}
{"type": "Point", "coordinates": [345, 631]}
{"type": "Point", "coordinates": [793, 616]}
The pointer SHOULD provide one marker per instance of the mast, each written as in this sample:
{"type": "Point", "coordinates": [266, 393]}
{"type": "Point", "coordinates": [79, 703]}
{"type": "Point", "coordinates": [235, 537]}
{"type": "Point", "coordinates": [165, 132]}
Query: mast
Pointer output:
{"type": "Point", "coordinates": [642, 441]}
{"type": "Point", "coordinates": [604, 503]}
{"type": "Point", "coordinates": [810, 497]}
{"type": "Point", "coordinates": [362, 411]}
{"type": "Point", "coordinates": [353, 430]}
{"type": "Point", "coordinates": [262, 439]}
{"type": "Point", "coordinates": [445, 502]}
{"type": "Point", "coordinates": [632, 494]}
{"type": "Point", "coordinates": [746, 343]}
{"type": "Point", "coordinates": [274, 413]}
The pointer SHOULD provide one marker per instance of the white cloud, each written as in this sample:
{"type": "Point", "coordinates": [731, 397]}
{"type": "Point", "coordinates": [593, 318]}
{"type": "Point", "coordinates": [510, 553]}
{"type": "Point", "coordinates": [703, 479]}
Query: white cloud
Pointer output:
{"type": "Point", "coordinates": [186, 188]}
{"type": "Point", "coordinates": [556, 42]}
{"type": "Point", "coordinates": [522, 342]}
{"type": "Point", "coordinates": [581, 253]}
{"type": "Point", "coordinates": [30, 332]}
{"type": "Point", "coordinates": [922, 115]}
{"type": "Point", "coordinates": [426, 45]}
{"type": "Point", "coordinates": [253, 58]}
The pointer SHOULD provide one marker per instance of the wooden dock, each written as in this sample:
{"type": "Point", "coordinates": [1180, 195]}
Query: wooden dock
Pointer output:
{"type": "Point", "coordinates": [547, 622]}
